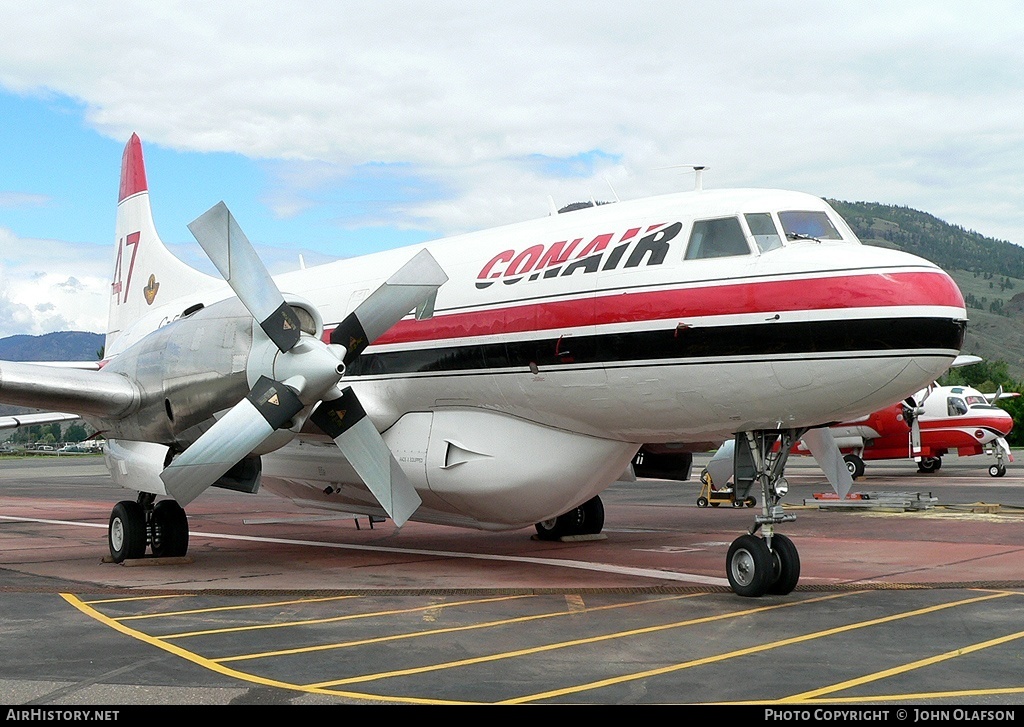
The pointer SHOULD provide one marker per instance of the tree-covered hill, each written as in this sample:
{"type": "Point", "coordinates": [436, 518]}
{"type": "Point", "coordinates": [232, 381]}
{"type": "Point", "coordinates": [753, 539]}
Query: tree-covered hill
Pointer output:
{"type": "Point", "coordinates": [951, 247]}
{"type": "Point", "coordinates": [989, 272]}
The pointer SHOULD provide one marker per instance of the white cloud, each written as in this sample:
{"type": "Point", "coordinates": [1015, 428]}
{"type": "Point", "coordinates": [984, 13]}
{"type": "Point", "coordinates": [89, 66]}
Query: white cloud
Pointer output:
{"type": "Point", "coordinates": [914, 103]}
{"type": "Point", "coordinates": [22, 199]}
{"type": "Point", "coordinates": [52, 286]}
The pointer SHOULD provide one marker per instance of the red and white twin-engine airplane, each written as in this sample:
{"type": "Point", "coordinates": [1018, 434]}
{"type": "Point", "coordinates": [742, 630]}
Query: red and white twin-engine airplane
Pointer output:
{"type": "Point", "coordinates": [924, 427]}
{"type": "Point", "coordinates": [501, 379]}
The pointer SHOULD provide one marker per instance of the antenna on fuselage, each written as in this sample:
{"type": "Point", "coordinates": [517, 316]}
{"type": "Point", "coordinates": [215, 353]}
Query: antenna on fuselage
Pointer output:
{"type": "Point", "coordinates": [698, 173]}
{"type": "Point", "coordinates": [614, 193]}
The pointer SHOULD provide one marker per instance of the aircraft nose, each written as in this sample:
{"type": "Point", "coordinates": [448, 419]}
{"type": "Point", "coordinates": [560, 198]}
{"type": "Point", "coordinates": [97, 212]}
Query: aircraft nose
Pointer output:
{"type": "Point", "coordinates": [1004, 423]}
{"type": "Point", "coordinates": [931, 287]}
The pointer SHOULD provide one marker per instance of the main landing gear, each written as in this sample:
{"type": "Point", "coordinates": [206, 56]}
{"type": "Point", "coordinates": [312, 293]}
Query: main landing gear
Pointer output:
{"type": "Point", "coordinates": [133, 525]}
{"type": "Point", "coordinates": [854, 464]}
{"type": "Point", "coordinates": [770, 564]}
{"type": "Point", "coordinates": [587, 519]}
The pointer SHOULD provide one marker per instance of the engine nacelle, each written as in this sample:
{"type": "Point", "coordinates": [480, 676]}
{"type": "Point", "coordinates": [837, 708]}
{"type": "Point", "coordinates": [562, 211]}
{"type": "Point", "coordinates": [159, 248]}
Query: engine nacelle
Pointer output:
{"type": "Point", "coordinates": [137, 466]}
{"type": "Point", "coordinates": [197, 366]}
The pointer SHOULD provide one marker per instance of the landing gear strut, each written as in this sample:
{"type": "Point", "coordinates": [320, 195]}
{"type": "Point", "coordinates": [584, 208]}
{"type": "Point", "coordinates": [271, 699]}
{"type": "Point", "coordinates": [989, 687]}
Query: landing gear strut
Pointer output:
{"type": "Point", "coordinates": [135, 524]}
{"type": "Point", "coordinates": [1001, 450]}
{"type": "Point", "coordinates": [769, 564]}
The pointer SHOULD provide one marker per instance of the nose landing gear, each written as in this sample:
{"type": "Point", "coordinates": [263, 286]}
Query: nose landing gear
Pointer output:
{"type": "Point", "coordinates": [756, 566]}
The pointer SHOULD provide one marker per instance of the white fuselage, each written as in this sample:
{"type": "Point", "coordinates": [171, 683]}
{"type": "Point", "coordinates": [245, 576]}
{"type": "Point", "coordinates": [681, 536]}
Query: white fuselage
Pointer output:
{"type": "Point", "coordinates": [559, 346]}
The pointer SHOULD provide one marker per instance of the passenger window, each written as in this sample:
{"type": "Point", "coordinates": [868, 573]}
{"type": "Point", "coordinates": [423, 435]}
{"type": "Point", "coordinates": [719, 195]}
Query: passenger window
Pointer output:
{"type": "Point", "coordinates": [716, 238]}
{"type": "Point", "coordinates": [762, 227]}
{"type": "Point", "coordinates": [956, 407]}
{"type": "Point", "coordinates": [808, 226]}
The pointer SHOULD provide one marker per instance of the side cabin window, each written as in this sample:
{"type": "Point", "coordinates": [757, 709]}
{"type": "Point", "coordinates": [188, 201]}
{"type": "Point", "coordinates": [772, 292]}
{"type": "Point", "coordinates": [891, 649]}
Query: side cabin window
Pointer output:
{"type": "Point", "coordinates": [810, 225]}
{"type": "Point", "coordinates": [763, 229]}
{"type": "Point", "coordinates": [716, 238]}
{"type": "Point", "coordinates": [955, 406]}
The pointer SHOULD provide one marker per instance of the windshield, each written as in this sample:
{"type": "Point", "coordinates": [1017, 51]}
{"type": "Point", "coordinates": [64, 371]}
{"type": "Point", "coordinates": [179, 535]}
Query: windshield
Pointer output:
{"type": "Point", "coordinates": [763, 230]}
{"type": "Point", "coordinates": [800, 225]}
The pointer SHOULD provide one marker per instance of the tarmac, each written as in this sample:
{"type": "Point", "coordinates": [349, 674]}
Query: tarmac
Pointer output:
{"type": "Point", "coordinates": [918, 566]}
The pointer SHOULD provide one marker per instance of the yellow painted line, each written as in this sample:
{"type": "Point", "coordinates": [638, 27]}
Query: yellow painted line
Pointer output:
{"type": "Point", "coordinates": [244, 607]}
{"type": "Point", "coordinates": [448, 630]}
{"type": "Point", "coordinates": [212, 666]}
{"type": "Point", "coordinates": [919, 664]}
{"type": "Point", "coordinates": [132, 599]}
{"type": "Point", "coordinates": [899, 698]}
{"type": "Point", "coordinates": [335, 619]}
{"type": "Point", "coordinates": [744, 652]}
{"type": "Point", "coordinates": [567, 644]}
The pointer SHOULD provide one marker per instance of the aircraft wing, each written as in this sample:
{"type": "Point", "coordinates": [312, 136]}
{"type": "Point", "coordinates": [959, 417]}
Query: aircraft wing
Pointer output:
{"type": "Point", "coordinates": [66, 389]}
{"type": "Point", "coordinates": [1000, 394]}
{"type": "Point", "coordinates": [82, 365]}
{"type": "Point", "coordinates": [28, 420]}
{"type": "Point", "coordinates": [965, 360]}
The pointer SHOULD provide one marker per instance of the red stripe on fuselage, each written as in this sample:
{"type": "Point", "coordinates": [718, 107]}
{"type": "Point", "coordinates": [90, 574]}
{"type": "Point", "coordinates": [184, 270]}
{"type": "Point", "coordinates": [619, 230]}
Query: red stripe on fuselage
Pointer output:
{"type": "Point", "coordinates": [1001, 424]}
{"type": "Point", "coordinates": [826, 293]}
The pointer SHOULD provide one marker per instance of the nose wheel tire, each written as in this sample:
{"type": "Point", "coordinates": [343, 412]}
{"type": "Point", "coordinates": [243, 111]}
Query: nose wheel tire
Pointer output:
{"type": "Point", "coordinates": [787, 566]}
{"type": "Point", "coordinates": [750, 566]}
{"type": "Point", "coordinates": [997, 470]}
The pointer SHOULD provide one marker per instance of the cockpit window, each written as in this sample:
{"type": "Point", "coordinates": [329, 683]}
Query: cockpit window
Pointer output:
{"type": "Point", "coordinates": [808, 226]}
{"type": "Point", "coordinates": [716, 238]}
{"type": "Point", "coordinates": [762, 227]}
{"type": "Point", "coordinates": [976, 400]}
{"type": "Point", "coordinates": [955, 406]}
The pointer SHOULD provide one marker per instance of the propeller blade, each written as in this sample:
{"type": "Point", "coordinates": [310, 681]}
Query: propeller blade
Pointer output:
{"type": "Point", "coordinates": [823, 447]}
{"type": "Point", "coordinates": [230, 250]}
{"type": "Point", "coordinates": [412, 285]}
{"type": "Point", "coordinates": [915, 437]}
{"type": "Point", "coordinates": [344, 420]}
{"type": "Point", "coordinates": [269, 406]}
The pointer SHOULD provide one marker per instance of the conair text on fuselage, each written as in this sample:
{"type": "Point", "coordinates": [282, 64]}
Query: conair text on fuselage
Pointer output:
{"type": "Point", "coordinates": [603, 252]}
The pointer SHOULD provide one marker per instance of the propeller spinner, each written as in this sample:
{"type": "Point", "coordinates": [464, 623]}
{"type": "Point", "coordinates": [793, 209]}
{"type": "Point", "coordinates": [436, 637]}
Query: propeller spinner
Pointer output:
{"type": "Point", "coordinates": [312, 371]}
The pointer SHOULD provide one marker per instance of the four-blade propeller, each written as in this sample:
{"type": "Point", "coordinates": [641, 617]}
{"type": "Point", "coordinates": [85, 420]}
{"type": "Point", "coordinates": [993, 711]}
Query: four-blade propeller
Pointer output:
{"type": "Point", "coordinates": [306, 373]}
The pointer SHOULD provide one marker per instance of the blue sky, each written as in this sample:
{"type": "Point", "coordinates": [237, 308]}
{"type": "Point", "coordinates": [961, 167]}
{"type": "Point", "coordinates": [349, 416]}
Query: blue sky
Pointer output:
{"type": "Point", "coordinates": [337, 129]}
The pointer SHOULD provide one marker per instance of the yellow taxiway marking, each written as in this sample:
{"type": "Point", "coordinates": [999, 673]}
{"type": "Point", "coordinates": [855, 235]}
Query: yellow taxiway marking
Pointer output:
{"type": "Point", "coordinates": [567, 644]}
{"type": "Point", "coordinates": [226, 671]}
{"type": "Point", "coordinates": [815, 694]}
{"type": "Point", "coordinates": [437, 632]}
{"type": "Point", "coordinates": [336, 619]}
{"type": "Point", "coordinates": [243, 607]}
{"type": "Point", "coordinates": [744, 652]}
